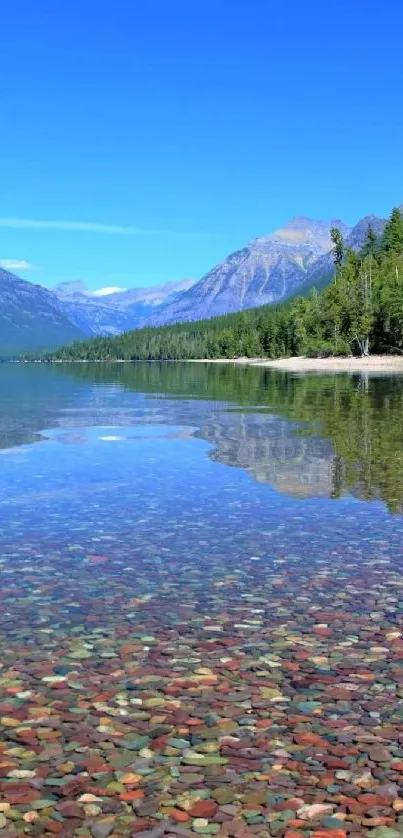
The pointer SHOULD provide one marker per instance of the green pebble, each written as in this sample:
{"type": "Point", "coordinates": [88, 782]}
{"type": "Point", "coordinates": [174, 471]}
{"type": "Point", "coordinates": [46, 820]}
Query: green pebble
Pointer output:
{"type": "Point", "coordinates": [308, 706]}
{"type": "Point", "coordinates": [211, 719]}
{"type": "Point", "coordinates": [43, 803]}
{"type": "Point", "coordinates": [120, 759]}
{"type": "Point", "coordinates": [209, 732]}
{"type": "Point", "coordinates": [79, 654]}
{"type": "Point", "coordinates": [331, 823]}
{"type": "Point", "coordinates": [56, 781]}
{"type": "Point", "coordinates": [276, 827]}
{"type": "Point", "coordinates": [178, 743]}
{"type": "Point", "coordinates": [136, 743]}
{"type": "Point", "coordinates": [14, 814]}
{"type": "Point", "coordinates": [116, 787]}
{"type": "Point", "coordinates": [204, 759]}
{"type": "Point", "coordinates": [286, 815]}
{"type": "Point", "coordinates": [221, 795]}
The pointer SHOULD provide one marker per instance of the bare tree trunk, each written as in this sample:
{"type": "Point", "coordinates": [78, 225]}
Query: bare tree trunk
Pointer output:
{"type": "Point", "coordinates": [363, 345]}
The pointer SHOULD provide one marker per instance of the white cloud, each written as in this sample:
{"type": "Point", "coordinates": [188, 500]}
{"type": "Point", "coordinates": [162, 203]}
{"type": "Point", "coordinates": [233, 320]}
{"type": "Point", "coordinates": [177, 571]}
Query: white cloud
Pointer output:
{"type": "Point", "coordinates": [86, 227]}
{"type": "Point", "coordinates": [76, 226]}
{"type": "Point", "coordinates": [16, 265]}
{"type": "Point", "coordinates": [102, 292]}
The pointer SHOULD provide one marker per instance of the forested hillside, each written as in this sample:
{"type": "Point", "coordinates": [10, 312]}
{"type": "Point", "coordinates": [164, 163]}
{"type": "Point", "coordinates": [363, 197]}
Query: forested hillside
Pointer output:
{"type": "Point", "coordinates": [360, 312]}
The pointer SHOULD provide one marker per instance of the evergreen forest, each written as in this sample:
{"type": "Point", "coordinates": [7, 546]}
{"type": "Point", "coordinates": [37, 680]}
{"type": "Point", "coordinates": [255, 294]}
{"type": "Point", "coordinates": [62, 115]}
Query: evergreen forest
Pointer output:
{"type": "Point", "coordinates": [358, 313]}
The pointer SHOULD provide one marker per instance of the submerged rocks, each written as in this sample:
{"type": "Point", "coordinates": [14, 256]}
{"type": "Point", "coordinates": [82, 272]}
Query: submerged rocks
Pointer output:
{"type": "Point", "coordinates": [244, 681]}
{"type": "Point", "coordinates": [311, 811]}
{"type": "Point", "coordinates": [378, 753]}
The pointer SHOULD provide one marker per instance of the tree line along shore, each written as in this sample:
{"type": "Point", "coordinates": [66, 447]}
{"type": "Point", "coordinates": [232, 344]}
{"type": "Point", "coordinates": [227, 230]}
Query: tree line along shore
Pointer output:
{"type": "Point", "coordinates": [360, 312]}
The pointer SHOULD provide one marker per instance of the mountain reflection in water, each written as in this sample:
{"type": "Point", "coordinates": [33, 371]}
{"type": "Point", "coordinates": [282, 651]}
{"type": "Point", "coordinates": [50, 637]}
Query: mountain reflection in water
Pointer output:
{"type": "Point", "coordinates": [308, 436]}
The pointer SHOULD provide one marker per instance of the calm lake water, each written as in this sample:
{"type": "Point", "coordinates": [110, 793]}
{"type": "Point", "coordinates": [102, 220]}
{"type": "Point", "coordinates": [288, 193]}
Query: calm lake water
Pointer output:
{"type": "Point", "coordinates": [201, 601]}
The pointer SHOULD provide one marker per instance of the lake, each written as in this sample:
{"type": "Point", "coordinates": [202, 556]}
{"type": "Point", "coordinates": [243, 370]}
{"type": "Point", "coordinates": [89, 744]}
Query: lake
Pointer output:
{"type": "Point", "coordinates": [201, 601]}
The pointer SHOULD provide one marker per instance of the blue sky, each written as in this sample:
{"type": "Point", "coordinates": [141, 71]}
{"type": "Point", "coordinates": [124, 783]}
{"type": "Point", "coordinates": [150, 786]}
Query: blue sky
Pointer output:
{"type": "Point", "coordinates": [167, 133]}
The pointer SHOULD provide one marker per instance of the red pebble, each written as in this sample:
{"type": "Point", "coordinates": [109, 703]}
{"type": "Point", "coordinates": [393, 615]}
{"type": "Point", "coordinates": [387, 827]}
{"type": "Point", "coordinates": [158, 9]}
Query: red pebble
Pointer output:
{"type": "Point", "coordinates": [293, 804]}
{"type": "Point", "coordinates": [178, 815]}
{"type": "Point", "coordinates": [69, 809]}
{"type": "Point", "coordinates": [141, 825]}
{"type": "Point", "coordinates": [309, 738]}
{"type": "Point", "coordinates": [397, 766]}
{"type": "Point", "coordinates": [204, 809]}
{"type": "Point", "coordinates": [55, 827]}
{"type": "Point", "coordinates": [375, 799]}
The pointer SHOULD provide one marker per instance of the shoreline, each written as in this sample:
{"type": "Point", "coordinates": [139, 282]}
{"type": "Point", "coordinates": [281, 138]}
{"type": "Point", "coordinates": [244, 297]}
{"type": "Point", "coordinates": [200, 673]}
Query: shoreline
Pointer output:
{"type": "Point", "coordinates": [387, 364]}
{"type": "Point", "coordinates": [375, 363]}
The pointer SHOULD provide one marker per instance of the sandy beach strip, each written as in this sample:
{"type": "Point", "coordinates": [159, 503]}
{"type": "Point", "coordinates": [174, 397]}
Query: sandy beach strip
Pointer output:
{"type": "Point", "coordinates": [372, 364]}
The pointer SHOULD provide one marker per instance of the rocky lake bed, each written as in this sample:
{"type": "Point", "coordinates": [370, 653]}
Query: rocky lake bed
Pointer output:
{"type": "Point", "coordinates": [185, 649]}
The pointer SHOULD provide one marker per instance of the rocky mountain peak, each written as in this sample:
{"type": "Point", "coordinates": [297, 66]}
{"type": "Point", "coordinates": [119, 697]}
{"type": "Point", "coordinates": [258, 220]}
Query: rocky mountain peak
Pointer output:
{"type": "Point", "coordinates": [304, 232]}
{"type": "Point", "coordinates": [269, 269]}
{"type": "Point", "coordinates": [64, 290]}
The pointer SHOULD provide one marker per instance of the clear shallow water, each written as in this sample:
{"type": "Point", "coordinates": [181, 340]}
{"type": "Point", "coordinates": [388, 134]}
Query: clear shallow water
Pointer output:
{"type": "Point", "coordinates": [187, 548]}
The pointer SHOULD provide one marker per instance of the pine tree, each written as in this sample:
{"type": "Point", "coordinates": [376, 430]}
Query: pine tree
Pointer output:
{"type": "Point", "coordinates": [392, 239]}
{"type": "Point", "coordinates": [338, 247]}
{"type": "Point", "coordinates": [371, 243]}
{"type": "Point", "coordinates": [361, 311]}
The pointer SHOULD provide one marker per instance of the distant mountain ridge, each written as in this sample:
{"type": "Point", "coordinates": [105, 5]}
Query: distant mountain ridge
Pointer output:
{"type": "Point", "coordinates": [31, 317]}
{"type": "Point", "coordinates": [98, 313]}
{"type": "Point", "coordinates": [321, 271]}
{"type": "Point", "coordinates": [268, 270]}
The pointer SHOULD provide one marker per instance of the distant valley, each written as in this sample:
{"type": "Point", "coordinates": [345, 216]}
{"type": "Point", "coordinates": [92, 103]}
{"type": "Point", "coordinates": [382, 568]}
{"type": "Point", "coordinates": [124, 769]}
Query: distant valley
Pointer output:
{"type": "Point", "coordinates": [116, 312]}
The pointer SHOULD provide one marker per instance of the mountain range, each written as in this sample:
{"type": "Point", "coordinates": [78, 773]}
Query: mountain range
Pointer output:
{"type": "Point", "coordinates": [270, 269]}
{"type": "Point", "coordinates": [101, 313]}
{"type": "Point", "coordinates": [31, 317]}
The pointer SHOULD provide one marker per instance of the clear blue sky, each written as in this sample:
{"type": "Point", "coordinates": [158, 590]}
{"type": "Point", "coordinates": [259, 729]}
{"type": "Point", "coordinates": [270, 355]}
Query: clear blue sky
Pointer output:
{"type": "Point", "coordinates": [198, 124]}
